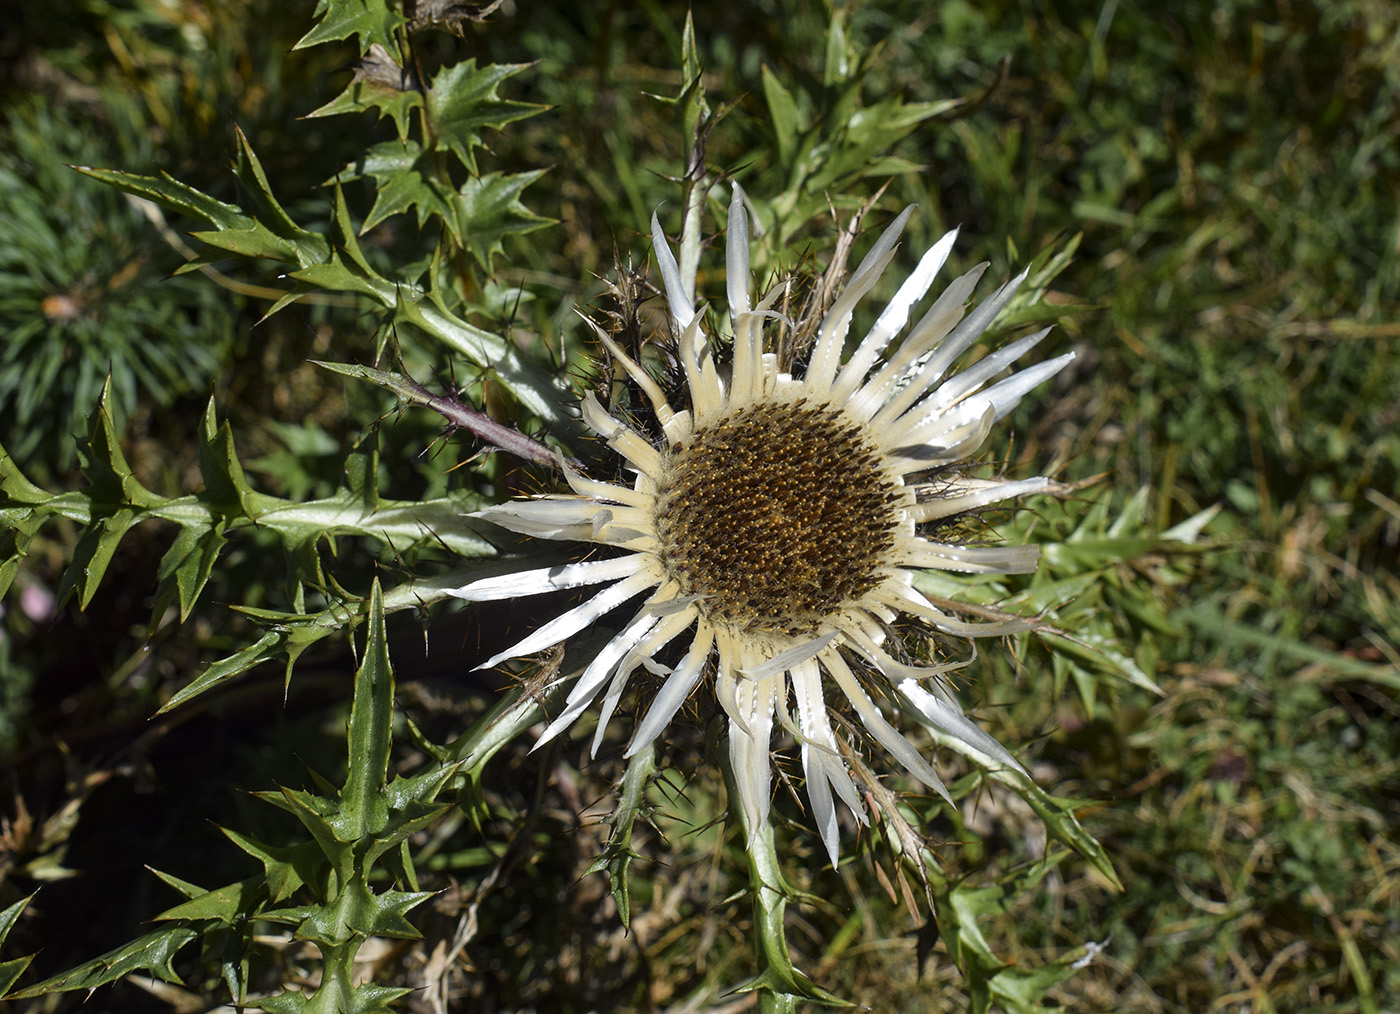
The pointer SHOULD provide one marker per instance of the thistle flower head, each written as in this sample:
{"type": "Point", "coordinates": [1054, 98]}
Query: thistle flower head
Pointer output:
{"type": "Point", "coordinates": [777, 522]}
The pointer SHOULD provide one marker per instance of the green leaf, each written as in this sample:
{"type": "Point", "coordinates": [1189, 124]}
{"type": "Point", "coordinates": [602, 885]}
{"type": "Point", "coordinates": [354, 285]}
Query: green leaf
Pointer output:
{"type": "Point", "coordinates": [778, 977]}
{"type": "Point", "coordinates": [110, 481]}
{"type": "Point", "coordinates": [11, 970]}
{"type": "Point", "coordinates": [182, 886]}
{"type": "Point", "coordinates": [176, 196]}
{"type": "Point", "coordinates": [382, 915]}
{"type": "Point", "coordinates": [287, 1002]}
{"type": "Point", "coordinates": [382, 84]}
{"type": "Point", "coordinates": [1100, 651]}
{"type": "Point", "coordinates": [372, 998]}
{"type": "Point", "coordinates": [462, 102]}
{"type": "Point", "coordinates": [226, 486]}
{"type": "Point", "coordinates": [92, 555]}
{"type": "Point", "coordinates": [14, 545]}
{"type": "Point", "coordinates": [266, 648]}
{"type": "Point", "coordinates": [333, 276]}
{"type": "Point", "coordinates": [539, 390]}
{"type": "Point", "coordinates": [336, 998]}
{"type": "Point", "coordinates": [617, 853]}
{"type": "Point", "coordinates": [14, 968]}
{"type": "Point", "coordinates": [695, 110]}
{"type": "Point", "coordinates": [1058, 814]}
{"type": "Point", "coordinates": [478, 215]}
{"type": "Point", "coordinates": [186, 566]}
{"type": "Point", "coordinates": [363, 808]}
{"type": "Point", "coordinates": [10, 916]}
{"type": "Point", "coordinates": [18, 519]}
{"type": "Point", "coordinates": [302, 246]}
{"type": "Point", "coordinates": [362, 472]}
{"type": "Point", "coordinates": [285, 867]}
{"type": "Point", "coordinates": [151, 953]}
{"type": "Point", "coordinates": [408, 819]}
{"type": "Point", "coordinates": [257, 241]}
{"type": "Point", "coordinates": [319, 815]}
{"type": "Point", "coordinates": [270, 234]}
{"type": "Point", "coordinates": [15, 486]}
{"type": "Point", "coordinates": [348, 238]}
{"type": "Point", "coordinates": [489, 209]}
{"type": "Point", "coordinates": [403, 187]}
{"type": "Point", "coordinates": [372, 22]}
{"type": "Point", "coordinates": [229, 904]}
{"type": "Point", "coordinates": [398, 523]}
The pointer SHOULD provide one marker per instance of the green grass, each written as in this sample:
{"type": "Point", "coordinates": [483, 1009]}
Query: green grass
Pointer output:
{"type": "Point", "coordinates": [1236, 307]}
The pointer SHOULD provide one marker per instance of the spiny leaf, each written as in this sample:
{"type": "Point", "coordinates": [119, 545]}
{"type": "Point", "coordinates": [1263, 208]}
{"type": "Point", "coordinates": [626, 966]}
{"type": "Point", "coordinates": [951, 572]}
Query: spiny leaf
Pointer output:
{"type": "Point", "coordinates": [186, 566]}
{"type": "Point", "coordinates": [617, 853]}
{"type": "Point", "coordinates": [334, 276]}
{"type": "Point", "coordinates": [489, 208]}
{"type": "Point", "coordinates": [184, 887]}
{"type": "Point", "coordinates": [19, 521]}
{"type": "Point", "coordinates": [403, 186]}
{"type": "Point", "coordinates": [372, 998]}
{"type": "Point", "coordinates": [10, 971]}
{"type": "Point", "coordinates": [13, 969]}
{"type": "Point", "coordinates": [381, 83]}
{"type": "Point", "coordinates": [10, 916]}
{"type": "Point", "coordinates": [229, 904]}
{"type": "Point", "coordinates": [304, 247]}
{"type": "Point", "coordinates": [14, 545]}
{"type": "Point", "coordinates": [462, 102]}
{"type": "Point", "coordinates": [348, 238]}
{"type": "Point", "coordinates": [538, 390]}
{"type": "Point", "coordinates": [176, 196]}
{"type": "Point", "coordinates": [405, 821]}
{"type": "Point", "coordinates": [110, 480]}
{"type": "Point", "coordinates": [285, 867]}
{"type": "Point", "coordinates": [370, 21]}
{"type": "Point", "coordinates": [399, 523]}
{"type": "Point", "coordinates": [92, 555]}
{"type": "Point", "coordinates": [334, 998]}
{"type": "Point", "coordinates": [382, 915]}
{"type": "Point", "coordinates": [478, 215]}
{"type": "Point", "coordinates": [1018, 989]}
{"type": "Point", "coordinates": [1100, 651]}
{"type": "Point", "coordinates": [288, 1002]}
{"type": "Point", "coordinates": [226, 486]}
{"type": "Point", "coordinates": [15, 487]}
{"type": "Point", "coordinates": [266, 648]}
{"type": "Point", "coordinates": [363, 808]}
{"type": "Point", "coordinates": [362, 472]}
{"type": "Point", "coordinates": [695, 110]}
{"type": "Point", "coordinates": [151, 953]}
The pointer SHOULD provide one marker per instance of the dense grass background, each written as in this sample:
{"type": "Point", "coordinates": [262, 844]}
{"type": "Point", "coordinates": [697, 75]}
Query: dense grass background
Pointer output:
{"type": "Point", "coordinates": [1235, 299]}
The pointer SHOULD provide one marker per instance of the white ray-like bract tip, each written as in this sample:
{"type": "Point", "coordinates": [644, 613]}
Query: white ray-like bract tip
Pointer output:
{"type": "Point", "coordinates": [680, 306]}
{"type": "Point", "coordinates": [736, 256]}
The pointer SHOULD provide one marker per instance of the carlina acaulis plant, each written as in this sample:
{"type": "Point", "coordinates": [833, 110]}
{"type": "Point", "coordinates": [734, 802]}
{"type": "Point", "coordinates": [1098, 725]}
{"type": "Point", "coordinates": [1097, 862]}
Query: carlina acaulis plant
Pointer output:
{"type": "Point", "coordinates": [779, 520]}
